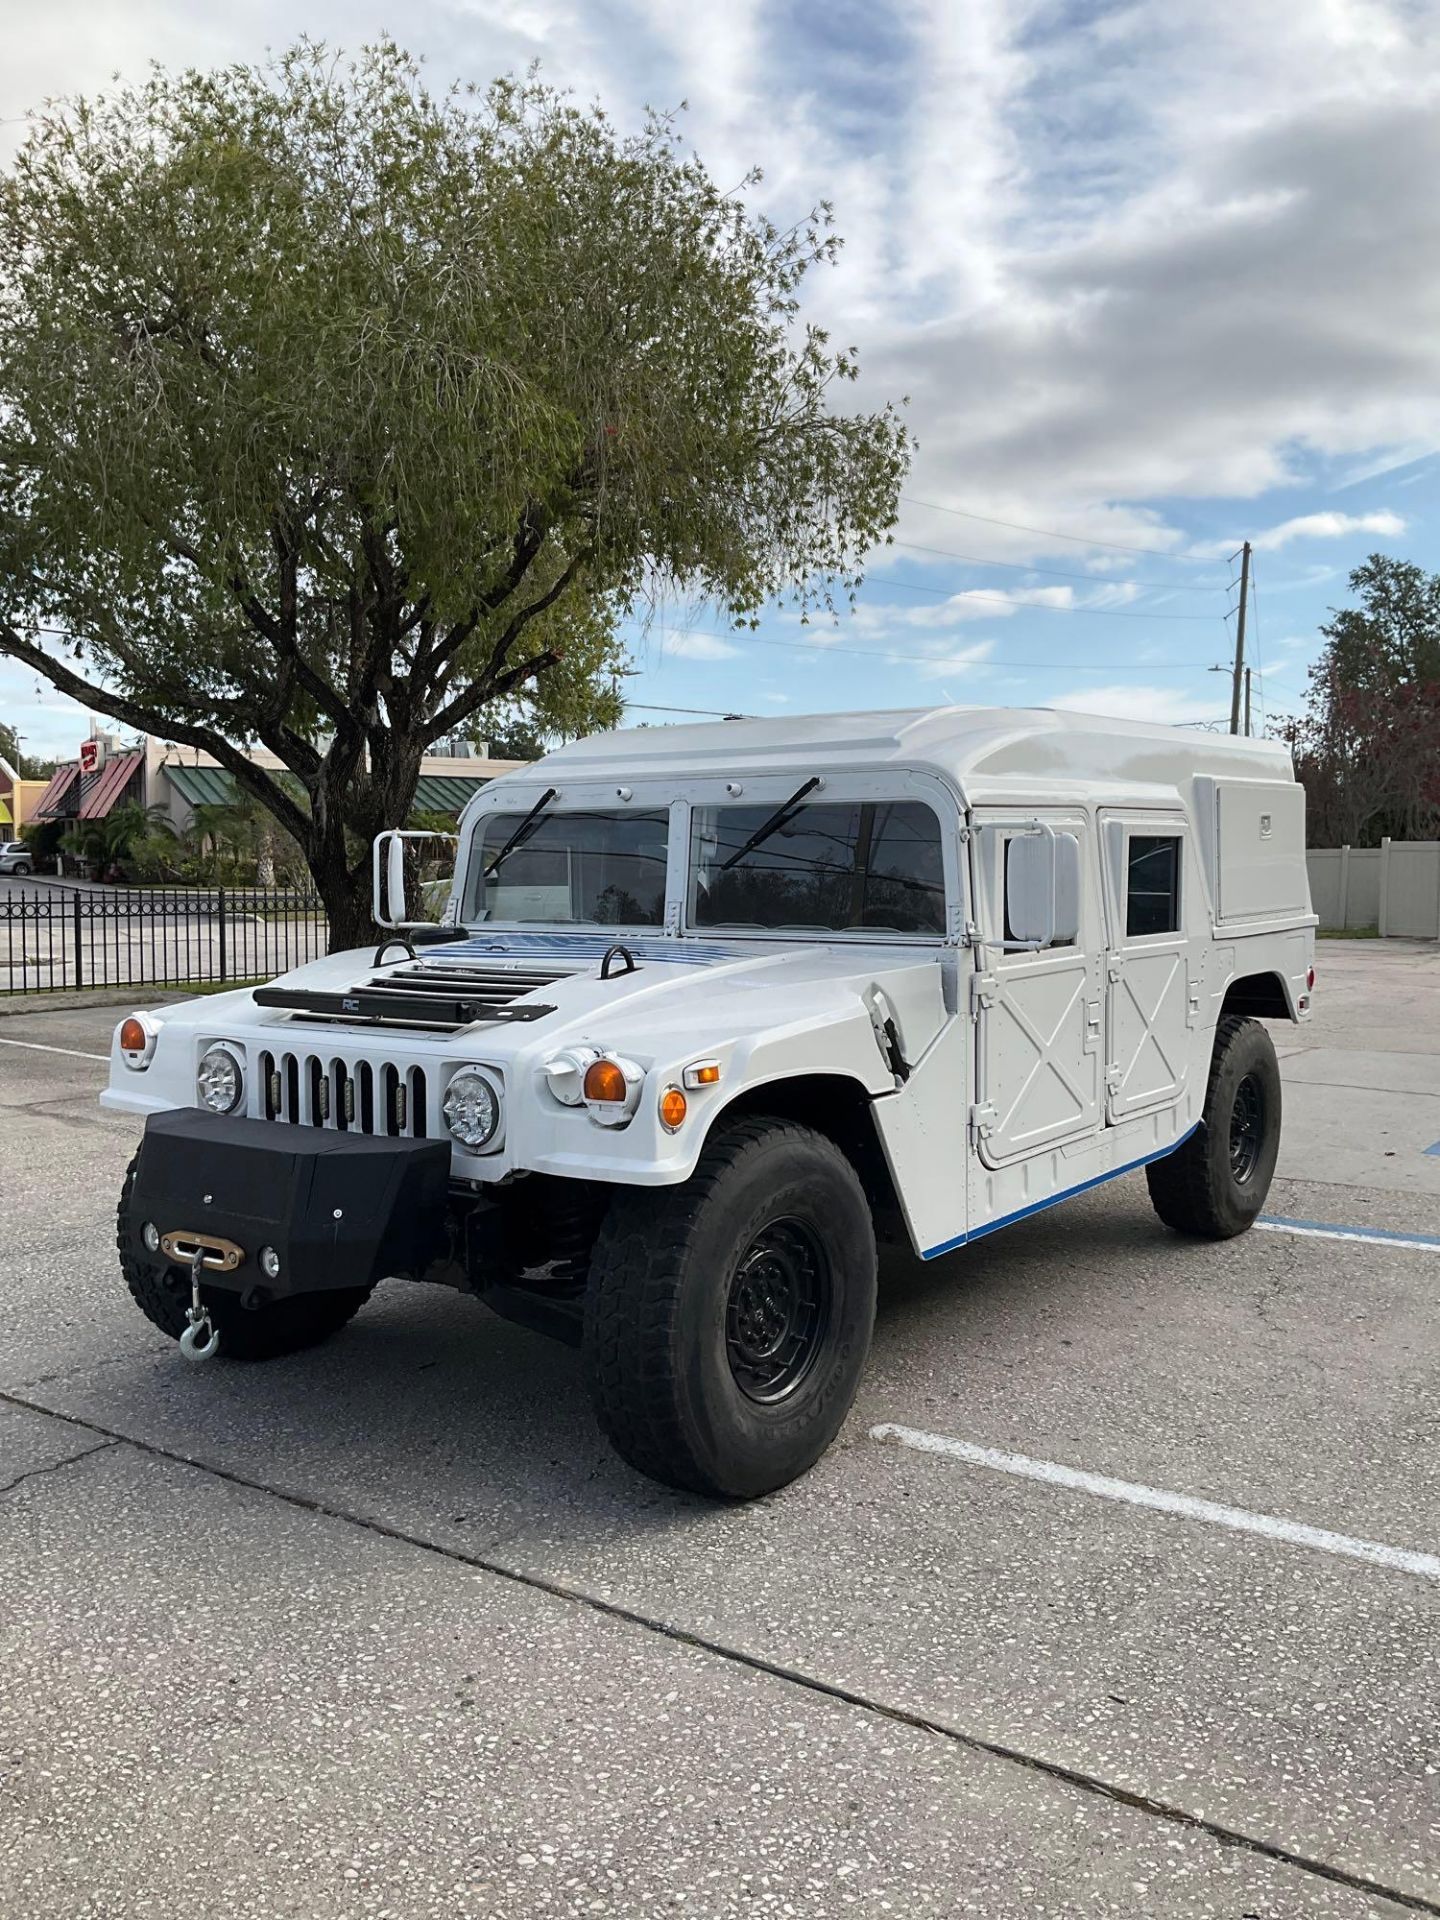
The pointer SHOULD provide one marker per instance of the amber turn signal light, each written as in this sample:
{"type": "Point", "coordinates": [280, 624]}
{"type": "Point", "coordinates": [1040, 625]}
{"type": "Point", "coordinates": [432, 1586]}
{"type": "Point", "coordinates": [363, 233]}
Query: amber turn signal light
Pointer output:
{"type": "Point", "coordinates": [132, 1036]}
{"type": "Point", "coordinates": [673, 1108]}
{"type": "Point", "coordinates": [604, 1081]}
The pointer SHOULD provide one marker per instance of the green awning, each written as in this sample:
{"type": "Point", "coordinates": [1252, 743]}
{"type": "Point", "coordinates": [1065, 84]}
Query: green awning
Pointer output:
{"type": "Point", "coordinates": [447, 793]}
{"type": "Point", "coordinates": [201, 786]}
{"type": "Point", "coordinates": [213, 787]}
{"type": "Point", "coordinates": [6, 818]}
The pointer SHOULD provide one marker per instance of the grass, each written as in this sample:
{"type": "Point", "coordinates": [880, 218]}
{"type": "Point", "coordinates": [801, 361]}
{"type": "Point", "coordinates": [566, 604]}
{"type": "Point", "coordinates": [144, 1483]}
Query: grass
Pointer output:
{"type": "Point", "coordinates": [1347, 933]}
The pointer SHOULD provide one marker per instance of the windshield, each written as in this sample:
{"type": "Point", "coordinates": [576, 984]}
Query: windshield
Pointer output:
{"type": "Point", "coordinates": [569, 869]}
{"type": "Point", "coordinates": [836, 866]}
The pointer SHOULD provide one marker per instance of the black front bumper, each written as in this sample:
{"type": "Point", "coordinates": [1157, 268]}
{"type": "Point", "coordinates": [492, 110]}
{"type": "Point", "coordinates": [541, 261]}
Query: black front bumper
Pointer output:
{"type": "Point", "coordinates": [338, 1209]}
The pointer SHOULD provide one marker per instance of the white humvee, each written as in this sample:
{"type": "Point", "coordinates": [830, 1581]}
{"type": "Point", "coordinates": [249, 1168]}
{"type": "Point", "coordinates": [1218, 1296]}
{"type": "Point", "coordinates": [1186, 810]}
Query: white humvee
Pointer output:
{"type": "Point", "coordinates": [711, 1007]}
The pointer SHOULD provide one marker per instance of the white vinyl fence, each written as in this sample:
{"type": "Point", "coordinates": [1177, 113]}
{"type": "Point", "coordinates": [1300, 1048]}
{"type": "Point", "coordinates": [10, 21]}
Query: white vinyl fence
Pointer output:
{"type": "Point", "coordinates": [1394, 887]}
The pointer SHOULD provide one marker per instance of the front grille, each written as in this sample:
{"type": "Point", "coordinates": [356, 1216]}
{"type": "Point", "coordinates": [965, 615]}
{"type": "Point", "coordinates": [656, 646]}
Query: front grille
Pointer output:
{"type": "Point", "coordinates": [349, 1096]}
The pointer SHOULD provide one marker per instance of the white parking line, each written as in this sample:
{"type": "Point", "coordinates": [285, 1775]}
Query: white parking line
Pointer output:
{"type": "Point", "coordinates": [1425, 1566]}
{"type": "Point", "coordinates": [37, 1046]}
{"type": "Point", "coordinates": [1321, 1230]}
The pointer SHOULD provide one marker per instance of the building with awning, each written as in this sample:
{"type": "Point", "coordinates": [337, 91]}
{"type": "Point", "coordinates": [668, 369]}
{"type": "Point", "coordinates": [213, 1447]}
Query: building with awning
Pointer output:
{"type": "Point", "coordinates": [52, 803]}
{"type": "Point", "coordinates": [447, 783]}
{"type": "Point", "coordinates": [93, 792]}
{"type": "Point", "coordinates": [155, 774]}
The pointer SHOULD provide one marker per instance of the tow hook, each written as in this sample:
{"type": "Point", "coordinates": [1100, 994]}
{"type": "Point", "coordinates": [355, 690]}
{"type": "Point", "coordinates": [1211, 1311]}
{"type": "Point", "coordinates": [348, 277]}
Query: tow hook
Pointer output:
{"type": "Point", "coordinates": [201, 1339]}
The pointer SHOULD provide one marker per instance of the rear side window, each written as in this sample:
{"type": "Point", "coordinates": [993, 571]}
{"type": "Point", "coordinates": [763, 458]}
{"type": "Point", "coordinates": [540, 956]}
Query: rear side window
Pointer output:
{"type": "Point", "coordinates": [1152, 896]}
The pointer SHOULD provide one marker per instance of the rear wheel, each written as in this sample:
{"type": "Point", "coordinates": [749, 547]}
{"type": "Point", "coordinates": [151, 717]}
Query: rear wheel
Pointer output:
{"type": "Point", "coordinates": [727, 1320]}
{"type": "Point", "coordinates": [162, 1293]}
{"type": "Point", "coordinates": [1215, 1184]}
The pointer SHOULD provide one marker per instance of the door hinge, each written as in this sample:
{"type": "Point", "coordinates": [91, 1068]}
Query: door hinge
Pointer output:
{"type": "Point", "coordinates": [1113, 1078]}
{"type": "Point", "coordinates": [984, 991]}
{"type": "Point", "coordinates": [982, 1119]}
{"type": "Point", "coordinates": [1115, 969]}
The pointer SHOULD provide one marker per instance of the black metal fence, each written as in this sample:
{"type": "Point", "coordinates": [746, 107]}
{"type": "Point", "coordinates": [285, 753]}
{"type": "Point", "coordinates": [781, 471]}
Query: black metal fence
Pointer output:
{"type": "Point", "coordinates": [56, 937]}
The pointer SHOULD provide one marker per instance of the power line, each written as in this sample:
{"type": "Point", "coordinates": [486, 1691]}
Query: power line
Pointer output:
{"type": "Point", "coordinates": [1046, 533]}
{"type": "Point", "coordinates": [1060, 573]}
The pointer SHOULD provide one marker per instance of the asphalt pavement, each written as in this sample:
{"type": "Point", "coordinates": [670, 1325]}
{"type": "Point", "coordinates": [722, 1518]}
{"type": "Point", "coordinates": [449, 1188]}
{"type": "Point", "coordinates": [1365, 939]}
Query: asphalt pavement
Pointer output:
{"type": "Point", "coordinates": [1118, 1596]}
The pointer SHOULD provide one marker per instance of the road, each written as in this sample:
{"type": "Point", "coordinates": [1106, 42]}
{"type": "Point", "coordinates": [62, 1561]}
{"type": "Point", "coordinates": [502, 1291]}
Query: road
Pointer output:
{"type": "Point", "coordinates": [385, 1628]}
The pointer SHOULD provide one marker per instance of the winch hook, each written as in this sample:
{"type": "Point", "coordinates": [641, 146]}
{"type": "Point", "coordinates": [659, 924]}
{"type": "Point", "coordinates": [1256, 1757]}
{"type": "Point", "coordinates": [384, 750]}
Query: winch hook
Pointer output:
{"type": "Point", "coordinates": [201, 1338]}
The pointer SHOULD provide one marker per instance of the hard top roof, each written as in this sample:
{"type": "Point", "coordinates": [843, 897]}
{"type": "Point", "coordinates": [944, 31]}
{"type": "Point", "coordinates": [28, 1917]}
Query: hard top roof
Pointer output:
{"type": "Point", "coordinates": [972, 747]}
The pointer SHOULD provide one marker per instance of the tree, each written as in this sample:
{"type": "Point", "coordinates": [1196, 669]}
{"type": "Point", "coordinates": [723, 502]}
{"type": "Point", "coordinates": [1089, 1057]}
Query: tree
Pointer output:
{"type": "Point", "coordinates": [25, 764]}
{"type": "Point", "coordinates": [1368, 749]}
{"type": "Point", "coordinates": [333, 412]}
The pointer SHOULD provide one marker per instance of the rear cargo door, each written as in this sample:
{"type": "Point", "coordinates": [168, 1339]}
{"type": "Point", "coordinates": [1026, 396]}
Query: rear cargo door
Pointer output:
{"type": "Point", "coordinates": [1038, 1014]}
{"type": "Point", "coordinates": [1154, 907]}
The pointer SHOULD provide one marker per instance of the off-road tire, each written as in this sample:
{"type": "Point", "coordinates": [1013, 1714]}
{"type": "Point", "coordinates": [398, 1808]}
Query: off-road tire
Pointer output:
{"type": "Point", "coordinates": [659, 1294]}
{"type": "Point", "coordinates": [162, 1293]}
{"type": "Point", "coordinates": [1196, 1190]}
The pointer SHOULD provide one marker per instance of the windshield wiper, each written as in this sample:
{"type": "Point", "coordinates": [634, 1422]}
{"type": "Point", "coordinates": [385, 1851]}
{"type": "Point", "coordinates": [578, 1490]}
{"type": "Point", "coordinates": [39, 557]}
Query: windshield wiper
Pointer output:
{"type": "Point", "coordinates": [773, 824]}
{"type": "Point", "coordinates": [522, 833]}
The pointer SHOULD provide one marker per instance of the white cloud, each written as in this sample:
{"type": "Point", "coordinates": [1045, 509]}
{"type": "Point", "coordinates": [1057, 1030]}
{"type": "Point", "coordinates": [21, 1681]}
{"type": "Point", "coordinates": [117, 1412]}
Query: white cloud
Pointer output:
{"type": "Point", "coordinates": [974, 603]}
{"type": "Point", "coordinates": [1116, 257]}
{"type": "Point", "coordinates": [1162, 704]}
{"type": "Point", "coordinates": [677, 644]}
{"type": "Point", "coordinates": [958, 660]}
{"type": "Point", "coordinates": [1310, 526]}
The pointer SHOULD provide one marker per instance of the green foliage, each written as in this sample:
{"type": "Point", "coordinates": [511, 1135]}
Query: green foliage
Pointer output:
{"type": "Point", "coordinates": [43, 837]}
{"type": "Point", "coordinates": [1392, 638]}
{"type": "Point", "coordinates": [1368, 749]}
{"type": "Point", "coordinates": [25, 764]}
{"type": "Point", "coordinates": [334, 413]}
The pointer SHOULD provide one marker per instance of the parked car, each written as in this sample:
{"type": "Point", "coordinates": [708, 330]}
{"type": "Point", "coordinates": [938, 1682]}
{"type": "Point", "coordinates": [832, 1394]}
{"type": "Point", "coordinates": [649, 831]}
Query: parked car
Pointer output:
{"type": "Point", "coordinates": [16, 857]}
{"type": "Point", "coordinates": [711, 1009]}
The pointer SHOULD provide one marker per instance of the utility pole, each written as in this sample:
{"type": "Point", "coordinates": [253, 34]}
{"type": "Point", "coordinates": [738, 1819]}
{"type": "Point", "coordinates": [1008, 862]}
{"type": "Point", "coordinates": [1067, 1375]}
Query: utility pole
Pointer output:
{"type": "Point", "coordinates": [1247, 703]}
{"type": "Point", "coordinates": [1240, 638]}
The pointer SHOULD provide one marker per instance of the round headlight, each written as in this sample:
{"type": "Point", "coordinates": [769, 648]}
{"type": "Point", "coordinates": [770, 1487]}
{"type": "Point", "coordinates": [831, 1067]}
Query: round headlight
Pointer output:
{"type": "Point", "coordinates": [472, 1109]}
{"type": "Point", "coordinates": [220, 1083]}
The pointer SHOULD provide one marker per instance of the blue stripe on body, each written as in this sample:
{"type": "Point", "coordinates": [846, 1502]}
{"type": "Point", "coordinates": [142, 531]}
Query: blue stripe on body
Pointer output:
{"type": "Point", "coordinates": [1054, 1199]}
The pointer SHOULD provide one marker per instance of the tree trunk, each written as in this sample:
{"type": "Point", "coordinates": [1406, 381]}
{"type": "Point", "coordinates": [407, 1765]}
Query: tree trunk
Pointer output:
{"type": "Point", "coordinates": [346, 901]}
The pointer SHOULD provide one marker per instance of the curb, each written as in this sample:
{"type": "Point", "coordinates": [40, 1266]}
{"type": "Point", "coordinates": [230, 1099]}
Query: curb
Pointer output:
{"type": "Point", "coordinates": [21, 1003]}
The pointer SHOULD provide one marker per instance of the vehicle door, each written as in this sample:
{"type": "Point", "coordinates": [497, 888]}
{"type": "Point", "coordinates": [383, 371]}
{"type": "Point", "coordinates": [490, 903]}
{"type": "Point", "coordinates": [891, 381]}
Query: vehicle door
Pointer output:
{"type": "Point", "coordinates": [1038, 1006]}
{"type": "Point", "coordinates": [1153, 904]}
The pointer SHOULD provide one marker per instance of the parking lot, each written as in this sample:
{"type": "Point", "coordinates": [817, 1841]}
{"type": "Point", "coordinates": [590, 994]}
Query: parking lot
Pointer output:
{"type": "Point", "coordinates": [1138, 1613]}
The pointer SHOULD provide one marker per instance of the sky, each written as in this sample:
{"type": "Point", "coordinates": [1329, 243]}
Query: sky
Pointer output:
{"type": "Point", "coordinates": [1157, 277]}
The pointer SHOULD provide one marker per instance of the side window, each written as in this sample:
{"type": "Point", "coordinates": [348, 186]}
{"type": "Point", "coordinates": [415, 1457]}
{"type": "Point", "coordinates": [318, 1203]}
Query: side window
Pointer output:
{"type": "Point", "coordinates": [1152, 884]}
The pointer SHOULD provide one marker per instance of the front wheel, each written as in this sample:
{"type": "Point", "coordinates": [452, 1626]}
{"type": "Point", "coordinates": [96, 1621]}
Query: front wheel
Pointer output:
{"type": "Point", "coordinates": [1215, 1184]}
{"type": "Point", "coordinates": [727, 1320]}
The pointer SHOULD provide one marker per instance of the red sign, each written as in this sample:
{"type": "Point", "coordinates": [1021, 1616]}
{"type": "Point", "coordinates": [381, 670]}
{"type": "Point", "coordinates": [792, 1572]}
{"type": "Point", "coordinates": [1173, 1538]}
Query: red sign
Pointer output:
{"type": "Point", "coordinates": [89, 755]}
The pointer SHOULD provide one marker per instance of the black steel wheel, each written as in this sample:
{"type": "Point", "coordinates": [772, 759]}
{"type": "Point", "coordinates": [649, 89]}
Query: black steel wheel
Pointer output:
{"type": "Point", "coordinates": [727, 1320]}
{"type": "Point", "coordinates": [1215, 1182]}
{"type": "Point", "coordinates": [778, 1312]}
{"type": "Point", "coordinates": [1247, 1129]}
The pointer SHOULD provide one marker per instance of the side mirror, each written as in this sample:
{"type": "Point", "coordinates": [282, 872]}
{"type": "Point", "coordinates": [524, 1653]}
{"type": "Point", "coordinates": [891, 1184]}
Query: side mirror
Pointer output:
{"type": "Point", "coordinates": [1042, 889]}
{"type": "Point", "coordinates": [407, 889]}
